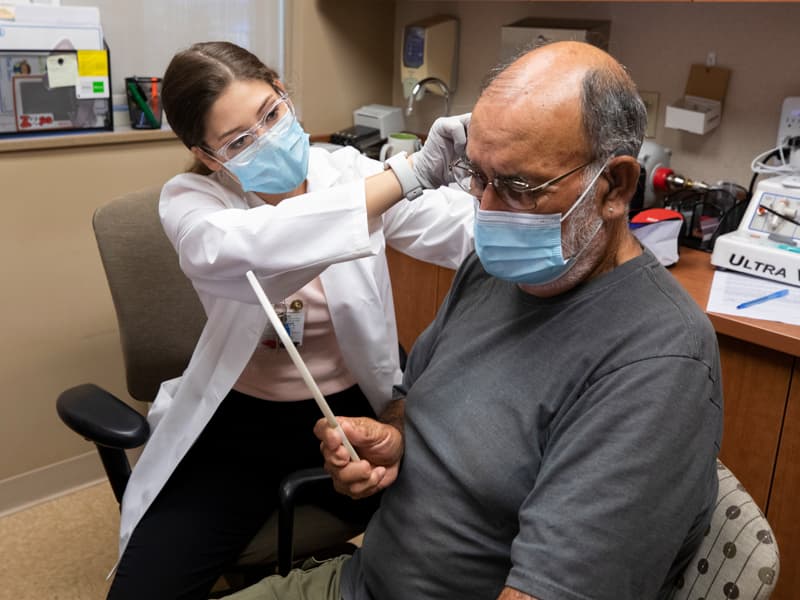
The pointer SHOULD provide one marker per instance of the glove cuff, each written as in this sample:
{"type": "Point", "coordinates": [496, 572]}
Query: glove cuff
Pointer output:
{"type": "Point", "coordinates": [409, 183]}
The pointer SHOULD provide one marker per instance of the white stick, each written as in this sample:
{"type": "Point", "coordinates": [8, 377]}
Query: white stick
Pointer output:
{"type": "Point", "coordinates": [279, 328]}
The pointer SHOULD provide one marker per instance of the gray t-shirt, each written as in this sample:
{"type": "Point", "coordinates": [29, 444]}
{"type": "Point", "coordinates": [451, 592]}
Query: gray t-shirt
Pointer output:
{"type": "Point", "coordinates": [564, 447]}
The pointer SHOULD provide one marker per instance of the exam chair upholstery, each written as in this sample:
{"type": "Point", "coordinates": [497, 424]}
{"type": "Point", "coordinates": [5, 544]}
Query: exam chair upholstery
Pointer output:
{"type": "Point", "coordinates": [738, 557]}
{"type": "Point", "coordinates": [160, 319]}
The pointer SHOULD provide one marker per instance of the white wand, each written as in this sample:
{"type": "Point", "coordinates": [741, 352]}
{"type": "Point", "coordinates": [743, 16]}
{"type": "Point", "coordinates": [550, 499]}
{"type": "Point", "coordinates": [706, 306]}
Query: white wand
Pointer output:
{"type": "Point", "coordinates": [279, 328]}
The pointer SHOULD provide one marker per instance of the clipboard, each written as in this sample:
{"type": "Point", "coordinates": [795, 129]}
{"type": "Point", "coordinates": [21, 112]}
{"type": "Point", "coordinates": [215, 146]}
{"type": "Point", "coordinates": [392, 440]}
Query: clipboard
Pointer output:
{"type": "Point", "coordinates": [50, 91]}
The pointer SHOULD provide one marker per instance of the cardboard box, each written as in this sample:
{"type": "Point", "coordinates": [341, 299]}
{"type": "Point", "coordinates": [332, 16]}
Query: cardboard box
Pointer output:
{"type": "Point", "coordinates": [693, 114]}
{"type": "Point", "coordinates": [700, 109]}
{"type": "Point", "coordinates": [521, 34]}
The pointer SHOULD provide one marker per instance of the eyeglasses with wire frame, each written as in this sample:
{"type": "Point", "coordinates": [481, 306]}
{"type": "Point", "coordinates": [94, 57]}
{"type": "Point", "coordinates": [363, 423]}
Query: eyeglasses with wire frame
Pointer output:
{"type": "Point", "coordinates": [517, 193]}
{"type": "Point", "coordinates": [272, 116]}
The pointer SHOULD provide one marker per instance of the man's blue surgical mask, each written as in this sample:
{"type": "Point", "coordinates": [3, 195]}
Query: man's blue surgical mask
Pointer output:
{"type": "Point", "coordinates": [276, 163]}
{"type": "Point", "coordinates": [524, 247]}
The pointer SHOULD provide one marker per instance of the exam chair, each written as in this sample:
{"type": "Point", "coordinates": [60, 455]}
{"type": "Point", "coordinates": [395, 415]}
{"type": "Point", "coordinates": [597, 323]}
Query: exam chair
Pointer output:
{"type": "Point", "coordinates": [160, 319]}
{"type": "Point", "coordinates": [738, 557]}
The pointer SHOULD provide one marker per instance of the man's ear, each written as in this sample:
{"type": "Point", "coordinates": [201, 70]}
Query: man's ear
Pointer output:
{"type": "Point", "coordinates": [204, 158]}
{"type": "Point", "coordinates": [622, 174]}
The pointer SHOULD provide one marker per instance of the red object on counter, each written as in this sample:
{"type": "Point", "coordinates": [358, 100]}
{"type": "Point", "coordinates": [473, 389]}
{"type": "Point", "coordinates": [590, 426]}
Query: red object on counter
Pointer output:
{"type": "Point", "coordinates": [660, 179]}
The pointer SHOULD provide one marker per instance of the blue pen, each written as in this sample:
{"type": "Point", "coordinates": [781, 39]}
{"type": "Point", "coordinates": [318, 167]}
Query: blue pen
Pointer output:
{"type": "Point", "coordinates": [768, 297]}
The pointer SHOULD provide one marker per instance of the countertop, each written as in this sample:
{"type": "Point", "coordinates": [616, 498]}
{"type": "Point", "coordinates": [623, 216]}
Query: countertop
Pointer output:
{"type": "Point", "coordinates": [695, 272]}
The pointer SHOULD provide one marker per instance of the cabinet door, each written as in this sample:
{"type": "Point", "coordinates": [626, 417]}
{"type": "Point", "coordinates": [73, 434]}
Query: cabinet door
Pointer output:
{"type": "Point", "coordinates": [414, 285]}
{"type": "Point", "coordinates": [418, 290]}
{"type": "Point", "coordinates": [783, 511]}
{"type": "Point", "coordinates": [755, 381]}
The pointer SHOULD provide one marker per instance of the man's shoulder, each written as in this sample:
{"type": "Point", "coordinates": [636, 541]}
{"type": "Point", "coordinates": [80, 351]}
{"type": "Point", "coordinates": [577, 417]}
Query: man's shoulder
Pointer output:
{"type": "Point", "coordinates": [468, 274]}
{"type": "Point", "coordinates": [663, 312]}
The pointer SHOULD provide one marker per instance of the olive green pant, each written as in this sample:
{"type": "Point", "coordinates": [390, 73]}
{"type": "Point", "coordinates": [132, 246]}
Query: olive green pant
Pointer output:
{"type": "Point", "coordinates": [320, 582]}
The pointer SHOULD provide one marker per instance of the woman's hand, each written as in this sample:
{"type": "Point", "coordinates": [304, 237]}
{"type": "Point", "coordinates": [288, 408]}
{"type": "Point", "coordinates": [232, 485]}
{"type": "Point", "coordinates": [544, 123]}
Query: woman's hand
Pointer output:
{"type": "Point", "coordinates": [447, 141]}
{"type": "Point", "coordinates": [379, 445]}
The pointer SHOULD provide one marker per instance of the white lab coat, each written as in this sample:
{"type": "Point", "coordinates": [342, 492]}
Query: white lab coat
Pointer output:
{"type": "Point", "coordinates": [323, 233]}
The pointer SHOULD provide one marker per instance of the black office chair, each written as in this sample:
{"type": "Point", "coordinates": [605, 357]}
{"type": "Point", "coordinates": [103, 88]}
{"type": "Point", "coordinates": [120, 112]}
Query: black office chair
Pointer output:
{"type": "Point", "coordinates": [160, 319]}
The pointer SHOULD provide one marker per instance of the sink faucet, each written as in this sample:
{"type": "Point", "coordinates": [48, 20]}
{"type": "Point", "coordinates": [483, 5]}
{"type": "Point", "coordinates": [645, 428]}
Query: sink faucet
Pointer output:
{"type": "Point", "coordinates": [419, 88]}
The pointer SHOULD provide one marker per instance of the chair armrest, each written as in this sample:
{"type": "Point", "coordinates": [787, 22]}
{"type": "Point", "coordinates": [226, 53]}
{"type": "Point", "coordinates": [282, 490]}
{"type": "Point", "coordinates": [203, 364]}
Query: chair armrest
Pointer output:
{"type": "Point", "coordinates": [296, 481]}
{"type": "Point", "coordinates": [287, 494]}
{"type": "Point", "coordinates": [101, 417]}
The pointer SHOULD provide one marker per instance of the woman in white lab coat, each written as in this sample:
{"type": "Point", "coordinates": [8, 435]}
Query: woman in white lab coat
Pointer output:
{"type": "Point", "coordinates": [313, 227]}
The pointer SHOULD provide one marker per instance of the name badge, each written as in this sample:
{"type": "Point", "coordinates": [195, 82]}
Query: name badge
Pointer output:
{"type": "Point", "coordinates": [292, 315]}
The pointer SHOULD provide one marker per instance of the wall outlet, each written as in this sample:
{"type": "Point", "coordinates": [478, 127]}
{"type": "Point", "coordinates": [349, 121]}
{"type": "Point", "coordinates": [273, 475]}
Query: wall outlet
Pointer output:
{"type": "Point", "coordinates": [789, 125]}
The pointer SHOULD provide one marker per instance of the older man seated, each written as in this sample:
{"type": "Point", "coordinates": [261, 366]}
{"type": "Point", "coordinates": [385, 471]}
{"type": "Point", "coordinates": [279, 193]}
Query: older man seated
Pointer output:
{"type": "Point", "coordinates": [564, 409]}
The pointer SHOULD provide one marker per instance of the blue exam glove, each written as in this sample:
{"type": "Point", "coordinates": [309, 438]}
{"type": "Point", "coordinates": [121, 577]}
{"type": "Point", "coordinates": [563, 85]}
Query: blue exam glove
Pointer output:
{"type": "Point", "coordinates": [447, 141]}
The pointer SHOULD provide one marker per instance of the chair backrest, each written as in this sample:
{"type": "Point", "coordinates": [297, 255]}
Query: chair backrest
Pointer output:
{"type": "Point", "coordinates": [739, 556]}
{"type": "Point", "coordinates": [159, 315]}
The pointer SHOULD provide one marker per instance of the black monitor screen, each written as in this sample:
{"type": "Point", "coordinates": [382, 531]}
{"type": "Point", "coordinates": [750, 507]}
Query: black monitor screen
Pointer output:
{"type": "Point", "coordinates": [38, 99]}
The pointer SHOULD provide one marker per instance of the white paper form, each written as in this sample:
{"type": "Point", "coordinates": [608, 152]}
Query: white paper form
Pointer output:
{"type": "Point", "coordinates": [730, 289]}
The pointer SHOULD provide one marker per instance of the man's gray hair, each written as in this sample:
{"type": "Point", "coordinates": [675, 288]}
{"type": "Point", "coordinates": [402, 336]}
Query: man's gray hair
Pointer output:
{"type": "Point", "coordinates": [614, 116]}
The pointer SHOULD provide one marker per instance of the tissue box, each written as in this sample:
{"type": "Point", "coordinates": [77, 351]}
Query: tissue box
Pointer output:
{"type": "Point", "coordinates": [693, 114]}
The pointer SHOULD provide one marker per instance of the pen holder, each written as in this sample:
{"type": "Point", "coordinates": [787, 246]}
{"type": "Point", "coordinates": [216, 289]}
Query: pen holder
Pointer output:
{"type": "Point", "coordinates": [144, 101]}
{"type": "Point", "coordinates": [707, 214]}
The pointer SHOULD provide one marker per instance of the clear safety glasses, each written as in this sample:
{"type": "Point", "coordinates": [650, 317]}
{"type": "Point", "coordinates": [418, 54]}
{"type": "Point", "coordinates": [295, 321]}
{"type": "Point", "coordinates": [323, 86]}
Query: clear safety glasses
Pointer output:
{"type": "Point", "coordinates": [275, 120]}
{"type": "Point", "coordinates": [517, 193]}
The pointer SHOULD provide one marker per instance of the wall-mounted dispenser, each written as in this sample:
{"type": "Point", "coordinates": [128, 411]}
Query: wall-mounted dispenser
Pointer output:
{"type": "Point", "coordinates": [430, 49]}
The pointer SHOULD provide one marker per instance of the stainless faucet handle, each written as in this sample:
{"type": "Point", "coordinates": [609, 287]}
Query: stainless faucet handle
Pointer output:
{"type": "Point", "coordinates": [419, 90]}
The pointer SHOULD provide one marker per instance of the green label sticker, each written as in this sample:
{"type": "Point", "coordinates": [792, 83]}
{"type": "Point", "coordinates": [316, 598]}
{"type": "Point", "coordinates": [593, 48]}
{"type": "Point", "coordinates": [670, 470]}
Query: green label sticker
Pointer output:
{"type": "Point", "coordinates": [98, 87]}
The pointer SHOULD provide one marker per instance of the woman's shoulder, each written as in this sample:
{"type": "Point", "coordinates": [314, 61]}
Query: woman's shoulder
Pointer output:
{"type": "Point", "coordinates": [195, 180]}
{"type": "Point", "coordinates": [195, 183]}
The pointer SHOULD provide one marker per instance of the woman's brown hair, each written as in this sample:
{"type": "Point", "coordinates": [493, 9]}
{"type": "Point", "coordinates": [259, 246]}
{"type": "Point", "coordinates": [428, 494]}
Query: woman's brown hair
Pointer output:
{"type": "Point", "coordinates": [196, 77]}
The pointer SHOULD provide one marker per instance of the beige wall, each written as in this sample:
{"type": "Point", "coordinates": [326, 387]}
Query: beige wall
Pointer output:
{"type": "Point", "coordinates": [657, 42]}
{"type": "Point", "coordinates": [338, 58]}
{"type": "Point", "coordinates": [58, 323]}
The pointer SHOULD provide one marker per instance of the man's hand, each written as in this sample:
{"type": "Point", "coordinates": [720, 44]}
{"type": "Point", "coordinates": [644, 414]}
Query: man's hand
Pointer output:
{"type": "Point", "coordinates": [447, 141]}
{"type": "Point", "coordinates": [379, 445]}
{"type": "Point", "coordinates": [512, 594]}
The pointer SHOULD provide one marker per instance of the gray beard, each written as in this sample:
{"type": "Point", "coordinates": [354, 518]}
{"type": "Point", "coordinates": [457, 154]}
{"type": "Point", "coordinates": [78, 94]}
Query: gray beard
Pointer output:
{"type": "Point", "coordinates": [581, 227]}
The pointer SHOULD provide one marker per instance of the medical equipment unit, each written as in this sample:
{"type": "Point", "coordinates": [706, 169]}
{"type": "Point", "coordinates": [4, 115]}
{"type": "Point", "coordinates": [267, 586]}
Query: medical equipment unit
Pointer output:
{"type": "Point", "coordinates": [707, 210]}
{"type": "Point", "coordinates": [430, 50]}
{"type": "Point", "coordinates": [767, 242]}
{"type": "Point", "coordinates": [652, 157]}
{"type": "Point", "coordinates": [386, 119]}
{"type": "Point", "coordinates": [361, 137]}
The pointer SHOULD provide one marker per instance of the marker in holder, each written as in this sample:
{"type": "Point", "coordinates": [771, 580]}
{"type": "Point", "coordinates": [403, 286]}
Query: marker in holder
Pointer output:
{"type": "Point", "coordinates": [144, 101]}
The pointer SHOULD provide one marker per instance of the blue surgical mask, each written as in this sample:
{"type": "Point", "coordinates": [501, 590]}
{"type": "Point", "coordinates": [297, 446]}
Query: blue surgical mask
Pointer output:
{"type": "Point", "coordinates": [276, 163]}
{"type": "Point", "coordinates": [524, 247]}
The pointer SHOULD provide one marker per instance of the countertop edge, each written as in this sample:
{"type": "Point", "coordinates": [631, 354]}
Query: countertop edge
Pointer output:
{"type": "Point", "coordinates": [75, 140]}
